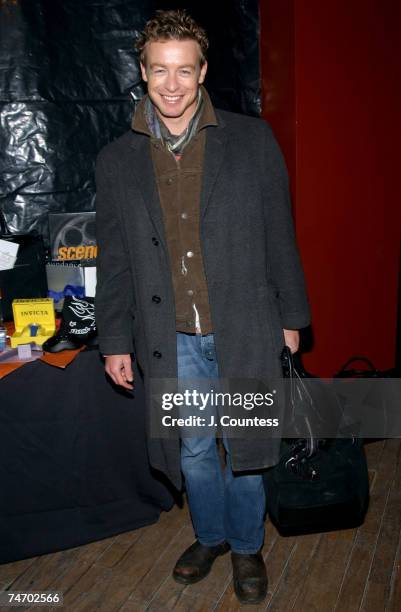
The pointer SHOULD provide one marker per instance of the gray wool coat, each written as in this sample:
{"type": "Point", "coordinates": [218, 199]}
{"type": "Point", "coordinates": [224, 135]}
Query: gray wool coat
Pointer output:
{"type": "Point", "coordinates": [253, 271]}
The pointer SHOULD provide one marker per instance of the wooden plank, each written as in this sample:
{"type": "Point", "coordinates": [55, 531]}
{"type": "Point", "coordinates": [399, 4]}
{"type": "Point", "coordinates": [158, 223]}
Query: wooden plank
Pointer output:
{"type": "Point", "coordinates": [295, 573]}
{"type": "Point", "coordinates": [379, 581]}
{"type": "Point", "coordinates": [9, 572]}
{"type": "Point", "coordinates": [93, 581]}
{"type": "Point", "coordinates": [40, 575]}
{"type": "Point", "coordinates": [376, 601]}
{"type": "Point", "coordinates": [374, 451]}
{"type": "Point", "coordinates": [96, 600]}
{"type": "Point", "coordinates": [57, 571]}
{"type": "Point", "coordinates": [121, 589]}
{"type": "Point", "coordinates": [163, 566]}
{"type": "Point", "coordinates": [358, 568]}
{"type": "Point", "coordinates": [45, 573]}
{"type": "Point", "coordinates": [109, 582]}
{"type": "Point", "coordinates": [181, 601]}
{"type": "Point", "coordinates": [117, 549]}
{"type": "Point", "coordinates": [87, 556]}
{"type": "Point", "coordinates": [322, 584]}
{"type": "Point", "coordinates": [91, 569]}
{"type": "Point", "coordinates": [106, 598]}
{"type": "Point", "coordinates": [393, 604]}
{"type": "Point", "coordinates": [131, 605]}
{"type": "Point", "coordinates": [89, 553]}
{"type": "Point", "coordinates": [158, 586]}
{"type": "Point", "coordinates": [65, 582]}
{"type": "Point", "coordinates": [136, 564]}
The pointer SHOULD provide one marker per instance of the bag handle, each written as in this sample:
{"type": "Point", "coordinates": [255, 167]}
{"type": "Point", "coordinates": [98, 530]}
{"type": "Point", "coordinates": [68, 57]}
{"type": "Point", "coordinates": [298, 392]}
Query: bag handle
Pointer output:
{"type": "Point", "coordinates": [343, 370]}
{"type": "Point", "coordinates": [291, 363]}
{"type": "Point", "coordinates": [294, 370]}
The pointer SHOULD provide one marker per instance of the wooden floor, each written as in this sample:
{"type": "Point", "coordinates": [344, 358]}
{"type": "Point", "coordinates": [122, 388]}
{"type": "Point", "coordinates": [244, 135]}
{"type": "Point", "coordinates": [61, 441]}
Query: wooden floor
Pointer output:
{"type": "Point", "coordinates": [344, 571]}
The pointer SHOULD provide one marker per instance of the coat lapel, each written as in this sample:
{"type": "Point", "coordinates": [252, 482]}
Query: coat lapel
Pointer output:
{"type": "Point", "coordinates": [142, 172]}
{"type": "Point", "coordinates": [214, 155]}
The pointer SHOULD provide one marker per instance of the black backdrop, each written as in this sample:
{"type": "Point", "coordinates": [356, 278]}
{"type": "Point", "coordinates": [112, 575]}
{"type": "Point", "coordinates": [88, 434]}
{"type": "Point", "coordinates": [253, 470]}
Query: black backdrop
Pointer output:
{"type": "Point", "coordinates": [68, 81]}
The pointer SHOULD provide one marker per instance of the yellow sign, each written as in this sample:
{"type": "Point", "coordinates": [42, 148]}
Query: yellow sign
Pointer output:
{"type": "Point", "coordinates": [34, 321]}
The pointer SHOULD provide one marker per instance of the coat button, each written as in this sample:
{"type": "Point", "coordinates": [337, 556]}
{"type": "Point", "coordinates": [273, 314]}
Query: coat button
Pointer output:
{"type": "Point", "coordinates": [155, 241]}
{"type": "Point", "coordinates": [157, 354]}
{"type": "Point", "coordinates": [156, 299]}
{"type": "Point", "coordinates": [170, 181]}
{"type": "Point", "coordinates": [190, 254]}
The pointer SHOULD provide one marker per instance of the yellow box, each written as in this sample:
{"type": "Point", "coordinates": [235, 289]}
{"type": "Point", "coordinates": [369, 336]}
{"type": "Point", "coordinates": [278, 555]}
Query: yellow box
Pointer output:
{"type": "Point", "coordinates": [37, 311]}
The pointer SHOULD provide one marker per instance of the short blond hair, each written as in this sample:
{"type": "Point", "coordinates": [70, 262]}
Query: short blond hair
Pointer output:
{"type": "Point", "coordinates": [172, 25]}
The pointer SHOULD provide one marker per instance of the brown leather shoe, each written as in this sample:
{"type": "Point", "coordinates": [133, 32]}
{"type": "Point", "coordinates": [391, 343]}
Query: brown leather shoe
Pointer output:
{"type": "Point", "coordinates": [250, 579]}
{"type": "Point", "coordinates": [196, 562]}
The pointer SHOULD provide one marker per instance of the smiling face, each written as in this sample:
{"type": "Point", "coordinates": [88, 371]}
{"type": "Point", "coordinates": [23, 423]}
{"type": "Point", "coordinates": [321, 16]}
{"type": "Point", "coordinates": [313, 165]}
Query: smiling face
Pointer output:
{"type": "Point", "coordinates": [173, 73]}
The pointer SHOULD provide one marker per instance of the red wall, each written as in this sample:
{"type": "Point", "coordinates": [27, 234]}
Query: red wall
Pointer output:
{"type": "Point", "coordinates": [332, 92]}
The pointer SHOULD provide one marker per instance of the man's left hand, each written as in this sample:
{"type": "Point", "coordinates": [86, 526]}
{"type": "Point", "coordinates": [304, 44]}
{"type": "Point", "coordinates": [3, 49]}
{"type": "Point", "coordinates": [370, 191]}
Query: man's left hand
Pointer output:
{"type": "Point", "coordinates": [291, 337]}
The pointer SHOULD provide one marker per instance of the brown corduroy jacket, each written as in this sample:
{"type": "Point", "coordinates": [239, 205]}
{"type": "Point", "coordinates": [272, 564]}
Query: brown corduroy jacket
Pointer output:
{"type": "Point", "coordinates": [179, 184]}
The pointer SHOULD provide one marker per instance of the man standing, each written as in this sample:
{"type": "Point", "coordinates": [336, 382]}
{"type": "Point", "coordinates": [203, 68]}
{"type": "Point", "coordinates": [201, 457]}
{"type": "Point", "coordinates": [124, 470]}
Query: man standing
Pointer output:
{"type": "Point", "coordinates": [199, 276]}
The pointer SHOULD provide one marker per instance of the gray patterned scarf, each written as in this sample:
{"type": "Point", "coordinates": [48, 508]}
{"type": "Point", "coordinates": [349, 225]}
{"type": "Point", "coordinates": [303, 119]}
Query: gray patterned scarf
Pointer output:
{"type": "Point", "coordinates": [175, 144]}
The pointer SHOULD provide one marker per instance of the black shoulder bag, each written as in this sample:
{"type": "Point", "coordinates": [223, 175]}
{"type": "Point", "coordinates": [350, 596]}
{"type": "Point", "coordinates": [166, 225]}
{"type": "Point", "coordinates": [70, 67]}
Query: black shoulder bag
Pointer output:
{"type": "Point", "coordinates": [319, 484]}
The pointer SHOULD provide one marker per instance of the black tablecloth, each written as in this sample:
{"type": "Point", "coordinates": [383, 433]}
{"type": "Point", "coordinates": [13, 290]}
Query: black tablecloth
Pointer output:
{"type": "Point", "coordinates": [73, 460]}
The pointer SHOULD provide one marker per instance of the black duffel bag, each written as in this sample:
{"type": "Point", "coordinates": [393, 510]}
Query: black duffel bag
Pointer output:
{"type": "Point", "coordinates": [27, 279]}
{"type": "Point", "coordinates": [319, 484]}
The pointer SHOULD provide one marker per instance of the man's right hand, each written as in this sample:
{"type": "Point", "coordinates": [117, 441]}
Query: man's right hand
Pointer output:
{"type": "Point", "coordinates": [119, 368]}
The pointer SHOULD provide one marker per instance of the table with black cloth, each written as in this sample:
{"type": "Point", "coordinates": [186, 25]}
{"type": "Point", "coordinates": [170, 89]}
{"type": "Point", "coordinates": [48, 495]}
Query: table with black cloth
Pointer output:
{"type": "Point", "coordinates": [73, 459]}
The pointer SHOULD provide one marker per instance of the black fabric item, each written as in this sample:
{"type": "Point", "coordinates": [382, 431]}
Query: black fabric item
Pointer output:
{"type": "Point", "coordinates": [27, 279]}
{"type": "Point", "coordinates": [337, 498]}
{"type": "Point", "coordinates": [319, 484]}
{"type": "Point", "coordinates": [78, 326]}
{"type": "Point", "coordinates": [73, 459]}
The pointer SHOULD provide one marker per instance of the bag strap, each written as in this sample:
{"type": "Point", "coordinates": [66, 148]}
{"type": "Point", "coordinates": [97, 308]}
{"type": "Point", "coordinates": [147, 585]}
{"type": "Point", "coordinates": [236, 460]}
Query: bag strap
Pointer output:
{"type": "Point", "coordinates": [344, 369]}
{"type": "Point", "coordinates": [291, 364]}
{"type": "Point", "coordinates": [294, 370]}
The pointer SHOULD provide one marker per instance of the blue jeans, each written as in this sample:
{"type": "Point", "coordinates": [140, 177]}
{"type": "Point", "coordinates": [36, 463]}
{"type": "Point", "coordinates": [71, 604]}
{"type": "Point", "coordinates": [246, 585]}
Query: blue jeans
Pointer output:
{"type": "Point", "coordinates": [224, 506]}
